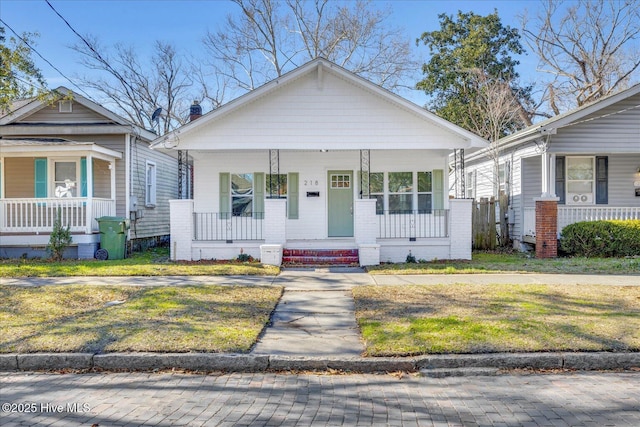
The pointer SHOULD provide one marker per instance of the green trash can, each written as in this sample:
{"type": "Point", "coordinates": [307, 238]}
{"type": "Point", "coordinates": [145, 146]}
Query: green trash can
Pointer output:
{"type": "Point", "coordinates": [113, 237]}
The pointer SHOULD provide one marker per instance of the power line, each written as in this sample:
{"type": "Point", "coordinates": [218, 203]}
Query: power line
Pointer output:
{"type": "Point", "coordinates": [94, 51]}
{"type": "Point", "coordinates": [23, 40]}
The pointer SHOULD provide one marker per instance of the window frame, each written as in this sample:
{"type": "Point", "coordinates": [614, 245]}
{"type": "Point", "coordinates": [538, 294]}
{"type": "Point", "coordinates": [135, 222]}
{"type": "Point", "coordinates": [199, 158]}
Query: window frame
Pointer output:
{"type": "Point", "coordinates": [150, 189]}
{"type": "Point", "coordinates": [52, 175]}
{"type": "Point", "coordinates": [283, 177]}
{"type": "Point", "coordinates": [424, 193]}
{"type": "Point", "coordinates": [569, 181]}
{"type": "Point", "coordinates": [250, 195]}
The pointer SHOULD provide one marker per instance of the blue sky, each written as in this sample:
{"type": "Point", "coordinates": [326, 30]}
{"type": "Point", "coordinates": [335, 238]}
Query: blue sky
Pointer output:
{"type": "Point", "coordinates": [184, 23]}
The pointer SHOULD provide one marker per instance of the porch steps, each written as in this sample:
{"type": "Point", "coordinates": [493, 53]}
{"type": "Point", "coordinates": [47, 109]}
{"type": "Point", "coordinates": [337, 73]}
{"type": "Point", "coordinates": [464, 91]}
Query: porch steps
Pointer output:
{"type": "Point", "coordinates": [324, 257]}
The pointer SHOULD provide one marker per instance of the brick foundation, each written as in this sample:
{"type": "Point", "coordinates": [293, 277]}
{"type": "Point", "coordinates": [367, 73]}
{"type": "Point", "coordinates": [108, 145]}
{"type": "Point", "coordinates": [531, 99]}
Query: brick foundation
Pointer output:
{"type": "Point", "coordinates": [546, 228]}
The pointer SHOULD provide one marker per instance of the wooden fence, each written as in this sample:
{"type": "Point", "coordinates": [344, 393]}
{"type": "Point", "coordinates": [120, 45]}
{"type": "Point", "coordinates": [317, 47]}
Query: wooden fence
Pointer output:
{"type": "Point", "coordinates": [490, 227]}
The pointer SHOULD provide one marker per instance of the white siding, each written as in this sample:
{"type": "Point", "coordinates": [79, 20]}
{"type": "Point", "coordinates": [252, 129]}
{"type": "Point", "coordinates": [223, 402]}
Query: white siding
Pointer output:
{"type": "Point", "coordinates": [333, 115]}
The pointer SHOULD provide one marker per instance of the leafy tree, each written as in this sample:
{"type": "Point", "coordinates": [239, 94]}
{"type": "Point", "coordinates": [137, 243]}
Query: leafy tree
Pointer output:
{"type": "Point", "coordinates": [19, 77]}
{"type": "Point", "coordinates": [588, 47]}
{"type": "Point", "coordinates": [472, 65]}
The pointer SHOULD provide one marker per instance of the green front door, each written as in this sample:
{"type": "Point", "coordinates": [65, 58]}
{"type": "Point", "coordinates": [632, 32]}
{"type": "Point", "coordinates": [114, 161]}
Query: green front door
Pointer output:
{"type": "Point", "coordinates": [340, 203]}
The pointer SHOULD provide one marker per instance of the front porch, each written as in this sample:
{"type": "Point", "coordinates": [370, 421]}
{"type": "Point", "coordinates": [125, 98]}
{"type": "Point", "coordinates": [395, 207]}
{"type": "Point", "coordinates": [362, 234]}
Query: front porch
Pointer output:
{"type": "Point", "coordinates": [378, 236]}
{"type": "Point", "coordinates": [43, 179]}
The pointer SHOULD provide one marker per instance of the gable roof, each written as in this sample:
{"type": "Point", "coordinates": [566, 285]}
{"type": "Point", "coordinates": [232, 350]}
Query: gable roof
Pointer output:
{"type": "Point", "coordinates": [317, 66]}
{"type": "Point", "coordinates": [24, 108]}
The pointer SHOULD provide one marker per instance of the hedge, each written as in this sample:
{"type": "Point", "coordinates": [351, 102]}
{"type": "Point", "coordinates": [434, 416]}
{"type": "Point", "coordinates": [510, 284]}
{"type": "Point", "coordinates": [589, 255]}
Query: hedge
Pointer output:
{"type": "Point", "coordinates": [602, 238]}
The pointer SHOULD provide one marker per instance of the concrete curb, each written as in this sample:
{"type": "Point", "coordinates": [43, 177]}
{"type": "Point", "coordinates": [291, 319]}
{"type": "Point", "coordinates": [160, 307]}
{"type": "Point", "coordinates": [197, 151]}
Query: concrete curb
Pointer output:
{"type": "Point", "coordinates": [429, 365]}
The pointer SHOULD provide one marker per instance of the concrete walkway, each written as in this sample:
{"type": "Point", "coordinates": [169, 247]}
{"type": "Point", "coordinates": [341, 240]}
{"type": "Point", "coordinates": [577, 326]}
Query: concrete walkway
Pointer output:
{"type": "Point", "coordinates": [316, 314]}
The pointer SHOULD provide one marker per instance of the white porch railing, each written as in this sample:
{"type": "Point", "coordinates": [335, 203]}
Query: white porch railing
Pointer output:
{"type": "Point", "coordinates": [413, 224]}
{"type": "Point", "coordinates": [38, 215]}
{"type": "Point", "coordinates": [572, 214]}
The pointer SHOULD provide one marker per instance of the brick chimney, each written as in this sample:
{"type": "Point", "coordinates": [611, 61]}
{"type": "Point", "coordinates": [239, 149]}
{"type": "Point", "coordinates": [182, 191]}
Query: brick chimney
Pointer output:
{"type": "Point", "coordinates": [195, 111]}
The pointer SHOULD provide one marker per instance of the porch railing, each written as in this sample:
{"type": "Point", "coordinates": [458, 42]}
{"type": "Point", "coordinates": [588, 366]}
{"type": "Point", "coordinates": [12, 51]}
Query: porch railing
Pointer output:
{"type": "Point", "coordinates": [216, 226]}
{"type": "Point", "coordinates": [572, 214]}
{"type": "Point", "coordinates": [38, 215]}
{"type": "Point", "coordinates": [413, 224]}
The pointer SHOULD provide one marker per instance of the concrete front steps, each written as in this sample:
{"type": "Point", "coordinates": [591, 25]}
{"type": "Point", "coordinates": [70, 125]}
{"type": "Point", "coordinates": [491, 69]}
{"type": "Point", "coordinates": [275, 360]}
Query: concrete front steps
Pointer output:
{"type": "Point", "coordinates": [319, 257]}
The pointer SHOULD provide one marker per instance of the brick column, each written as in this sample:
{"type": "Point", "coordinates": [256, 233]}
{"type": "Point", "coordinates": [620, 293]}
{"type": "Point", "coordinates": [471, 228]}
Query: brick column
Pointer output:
{"type": "Point", "coordinates": [275, 231]}
{"type": "Point", "coordinates": [460, 228]}
{"type": "Point", "coordinates": [546, 227]}
{"type": "Point", "coordinates": [181, 228]}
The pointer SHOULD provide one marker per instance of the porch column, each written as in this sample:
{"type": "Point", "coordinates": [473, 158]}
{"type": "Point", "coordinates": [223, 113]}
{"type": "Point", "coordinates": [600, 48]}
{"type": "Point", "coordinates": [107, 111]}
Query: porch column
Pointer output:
{"type": "Point", "coordinates": [546, 227]}
{"type": "Point", "coordinates": [181, 228]}
{"type": "Point", "coordinates": [275, 231]}
{"type": "Point", "coordinates": [366, 231]}
{"type": "Point", "coordinates": [112, 169]}
{"type": "Point", "coordinates": [89, 211]}
{"type": "Point", "coordinates": [460, 228]}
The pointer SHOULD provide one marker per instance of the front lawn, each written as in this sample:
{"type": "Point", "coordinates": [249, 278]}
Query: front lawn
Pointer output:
{"type": "Point", "coordinates": [153, 262]}
{"type": "Point", "coordinates": [486, 262]}
{"type": "Point", "coordinates": [412, 320]}
{"type": "Point", "coordinates": [79, 318]}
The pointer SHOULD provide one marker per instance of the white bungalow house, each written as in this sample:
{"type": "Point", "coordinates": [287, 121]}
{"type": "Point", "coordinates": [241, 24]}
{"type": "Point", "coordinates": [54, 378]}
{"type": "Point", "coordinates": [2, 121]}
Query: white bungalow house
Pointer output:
{"type": "Point", "coordinates": [586, 161]}
{"type": "Point", "coordinates": [320, 159]}
{"type": "Point", "coordinates": [75, 157]}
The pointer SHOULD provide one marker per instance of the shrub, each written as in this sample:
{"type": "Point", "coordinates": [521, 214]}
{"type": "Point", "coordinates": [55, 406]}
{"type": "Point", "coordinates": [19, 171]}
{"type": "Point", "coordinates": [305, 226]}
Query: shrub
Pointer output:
{"type": "Point", "coordinates": [59, 240]}
{"type": "Point", "coordinates": [411, 259]}
{"type": "Point", "coordinates": [602, 238]}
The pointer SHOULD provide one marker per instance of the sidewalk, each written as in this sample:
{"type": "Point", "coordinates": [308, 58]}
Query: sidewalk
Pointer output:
{"type": "Point", "coordinates": [313, 328]}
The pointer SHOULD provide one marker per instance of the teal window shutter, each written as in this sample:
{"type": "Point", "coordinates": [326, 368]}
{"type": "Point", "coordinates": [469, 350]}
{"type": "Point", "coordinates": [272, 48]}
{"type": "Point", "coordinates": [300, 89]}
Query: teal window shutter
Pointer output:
{"type": "Point", "coordinates": [438, 189]}
{"type": "Point", "coordinates": [293, 197]}
{"type": "Point", "coordinates": [225, 196]}
{"type": "Point", "coordinates": [83, 177]}
{"type": "Point", "coordinates": [258, 195]}
{"type": "Point", "coordinates": [40, 167]}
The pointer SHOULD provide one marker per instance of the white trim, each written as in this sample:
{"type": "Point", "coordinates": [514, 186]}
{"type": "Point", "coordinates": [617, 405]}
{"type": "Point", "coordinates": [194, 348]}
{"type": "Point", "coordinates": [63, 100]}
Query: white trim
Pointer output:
{"type": "Point", "coordinates": [65, 106]}
{"type": "Point", "coordinates": [73, 148]}
{"type": "Point", "coordinates": [150, 188]}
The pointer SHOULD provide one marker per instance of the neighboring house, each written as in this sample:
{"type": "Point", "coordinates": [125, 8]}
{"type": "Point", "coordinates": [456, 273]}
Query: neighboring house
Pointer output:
{"type": "Point", "coordinates": [587, 161]}
{"type": "Point", "coordinates": [320, 159]}
{"type": "Point", "coordinates": [75, 157]}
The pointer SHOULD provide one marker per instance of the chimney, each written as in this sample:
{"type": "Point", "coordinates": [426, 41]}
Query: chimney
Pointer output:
{"type": "Point", "coordinates": [195, 111]}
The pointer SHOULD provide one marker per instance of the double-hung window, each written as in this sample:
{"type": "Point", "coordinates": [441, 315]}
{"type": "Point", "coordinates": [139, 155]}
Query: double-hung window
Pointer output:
{"type": "Point", "coordinates": [580, 179]}
{"type": "Point", "coordinates": [400, 188]}
{"type": "Point", "coordinates": [65, 178]}
{"type": "Point", "coordinates": [425, 192]}
{"type": "Point", "coordinates": [277, 186]}
{"type": "Point", "coordinates": [242, 194]}
{"type": "Point", "coordinates": [150, 193]}
{"type": "Point", "coordinates": [376, 190]}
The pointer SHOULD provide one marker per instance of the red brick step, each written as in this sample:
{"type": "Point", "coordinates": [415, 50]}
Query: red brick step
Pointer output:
{"type": "Point", "coordinates": [303, 257]}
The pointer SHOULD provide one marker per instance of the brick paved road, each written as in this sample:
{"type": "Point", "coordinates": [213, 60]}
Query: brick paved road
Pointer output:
{"type": "Point", "coordinates": [582, 399]}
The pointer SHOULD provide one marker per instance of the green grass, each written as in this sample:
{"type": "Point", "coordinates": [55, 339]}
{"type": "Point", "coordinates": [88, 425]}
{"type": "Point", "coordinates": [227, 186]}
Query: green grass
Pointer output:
{"type": "Point", "coordinates": [484, 262]}
{"type": "Point", "coordinates": [74, 318]}
{"type": "Point", "coordinates": [412, 320]}
{"type": "Point", "coordinates": [154, 262]}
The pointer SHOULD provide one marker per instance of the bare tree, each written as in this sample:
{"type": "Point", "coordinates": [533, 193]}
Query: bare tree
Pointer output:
{"type": "Point", "coordinates": [269, 38]}
{"type": "Point", "coordinates": [136, 89]}
{"type": "Point", "coordinates": [589, 47]}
